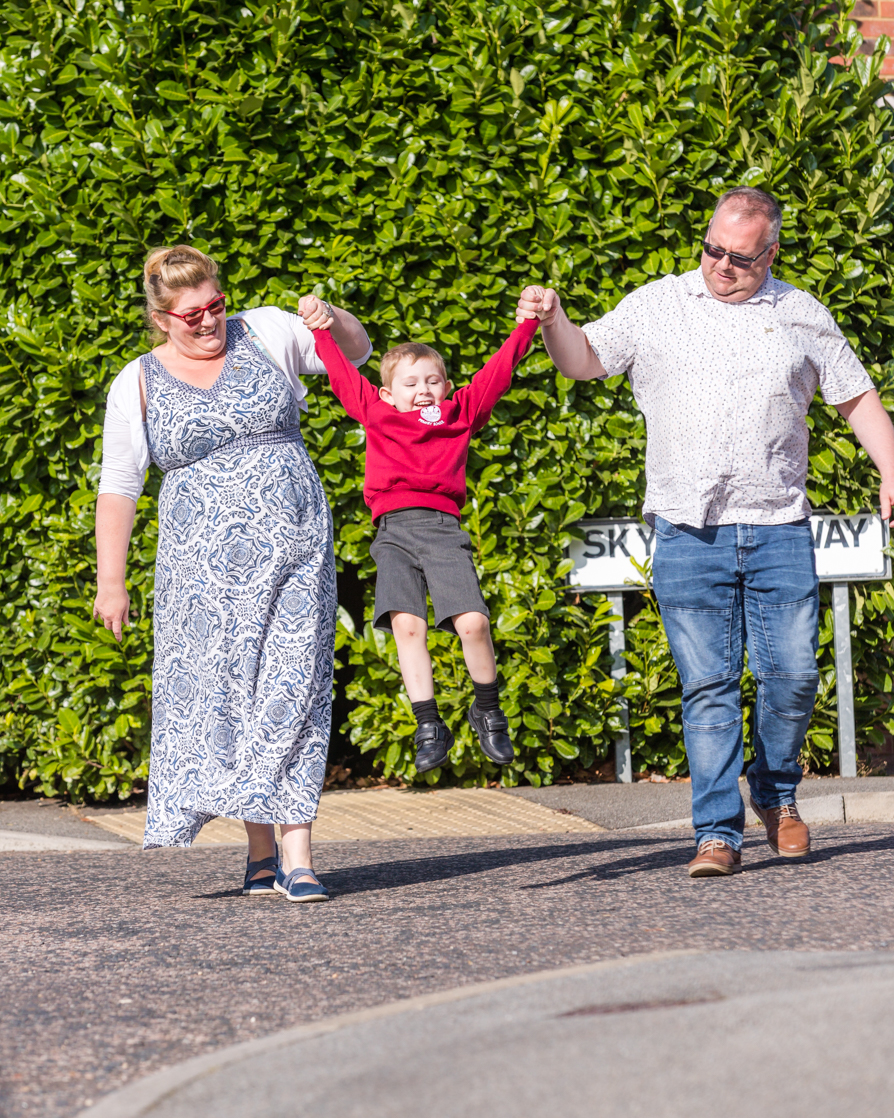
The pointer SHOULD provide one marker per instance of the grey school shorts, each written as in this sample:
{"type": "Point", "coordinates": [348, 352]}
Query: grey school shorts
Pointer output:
{"type": "Point", "coordinates": [422, 549]}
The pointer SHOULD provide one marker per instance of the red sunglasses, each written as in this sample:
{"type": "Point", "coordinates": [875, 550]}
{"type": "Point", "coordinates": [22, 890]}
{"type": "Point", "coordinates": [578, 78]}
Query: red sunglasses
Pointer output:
{"type": "Point", "coordinates": [193, 318]}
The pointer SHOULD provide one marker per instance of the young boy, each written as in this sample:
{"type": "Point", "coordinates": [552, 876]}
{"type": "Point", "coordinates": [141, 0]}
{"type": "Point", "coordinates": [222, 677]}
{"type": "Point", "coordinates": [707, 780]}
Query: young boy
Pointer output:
{"type": "Point", "coordinates": [417, 445]}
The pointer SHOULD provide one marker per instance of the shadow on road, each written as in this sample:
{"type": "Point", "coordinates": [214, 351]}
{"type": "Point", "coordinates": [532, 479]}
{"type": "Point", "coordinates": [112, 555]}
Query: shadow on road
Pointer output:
{"type": "Point", "coordinates": [645, 855]}
{"type": "Point", "coordinates": [376, 876]}
{"type": "Point", "coordinates": [652, 861]}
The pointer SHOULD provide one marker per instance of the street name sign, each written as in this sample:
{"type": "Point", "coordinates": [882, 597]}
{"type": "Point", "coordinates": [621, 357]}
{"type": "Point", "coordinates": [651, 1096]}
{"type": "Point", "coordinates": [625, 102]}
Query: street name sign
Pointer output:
{"type": "Point", "coordinates": [847, 549]}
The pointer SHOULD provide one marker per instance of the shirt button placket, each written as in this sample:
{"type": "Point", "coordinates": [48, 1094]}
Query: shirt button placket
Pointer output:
{"type": "Point", "coordinates": [732, 397]}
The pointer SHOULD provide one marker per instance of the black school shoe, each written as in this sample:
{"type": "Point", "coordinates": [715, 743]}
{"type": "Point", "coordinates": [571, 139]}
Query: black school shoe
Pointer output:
{"type": "Point", "coordinates": [433, 745]}
{"type": "Point", "coordinates": [492, 728]}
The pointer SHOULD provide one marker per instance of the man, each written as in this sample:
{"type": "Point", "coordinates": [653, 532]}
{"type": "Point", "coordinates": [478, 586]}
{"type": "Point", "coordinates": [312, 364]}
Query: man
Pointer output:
{"type": "Point", "coordinates": [724, 362]}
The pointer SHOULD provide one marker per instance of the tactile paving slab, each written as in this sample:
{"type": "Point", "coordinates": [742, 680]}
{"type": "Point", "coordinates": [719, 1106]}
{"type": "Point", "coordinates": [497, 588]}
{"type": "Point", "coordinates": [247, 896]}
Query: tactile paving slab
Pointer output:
{"type": "Point", "coordinates": [390, 813]}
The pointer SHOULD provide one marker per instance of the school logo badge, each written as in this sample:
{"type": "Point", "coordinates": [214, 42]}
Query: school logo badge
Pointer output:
{"type": "Point", "coordinates": [431, 415]}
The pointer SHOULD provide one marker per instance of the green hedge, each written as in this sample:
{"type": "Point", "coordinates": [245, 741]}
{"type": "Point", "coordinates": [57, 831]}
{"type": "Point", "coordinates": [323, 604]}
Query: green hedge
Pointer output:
{"type": "Point", "coordinates": [418, 163]}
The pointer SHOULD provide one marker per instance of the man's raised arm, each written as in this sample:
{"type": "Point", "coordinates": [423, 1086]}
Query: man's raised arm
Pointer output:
{"type": "Point", "coordinates": [566, 343]}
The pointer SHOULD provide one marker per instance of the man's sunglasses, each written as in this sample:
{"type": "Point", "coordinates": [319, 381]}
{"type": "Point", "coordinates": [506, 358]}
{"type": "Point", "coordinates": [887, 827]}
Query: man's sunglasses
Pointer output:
{"type": "Point", "coordinates": [735, 258]}
{"type": "Point", "coordinates": [193, 318]}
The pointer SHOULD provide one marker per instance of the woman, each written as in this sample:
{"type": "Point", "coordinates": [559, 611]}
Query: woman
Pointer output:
{"type": "Point", "coordinates": [245, 574]}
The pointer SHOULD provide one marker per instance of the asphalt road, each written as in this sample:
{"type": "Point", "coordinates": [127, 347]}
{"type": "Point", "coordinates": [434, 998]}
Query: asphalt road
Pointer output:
{"type": "Point", "coordinates": [117, 964]}
{"type": "Point", "coordinates": [623, 1038]}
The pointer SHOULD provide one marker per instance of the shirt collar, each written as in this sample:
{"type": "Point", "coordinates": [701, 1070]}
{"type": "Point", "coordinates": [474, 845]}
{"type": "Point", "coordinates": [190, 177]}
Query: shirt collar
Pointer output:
{"type": "Point", "coordinates": [768, 292]}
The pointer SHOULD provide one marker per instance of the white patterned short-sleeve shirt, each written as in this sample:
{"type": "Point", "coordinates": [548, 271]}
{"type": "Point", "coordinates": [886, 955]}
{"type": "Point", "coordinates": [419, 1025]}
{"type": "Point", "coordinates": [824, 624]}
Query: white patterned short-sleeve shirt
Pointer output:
{"type": "Point", "coordinates": [725, 389]}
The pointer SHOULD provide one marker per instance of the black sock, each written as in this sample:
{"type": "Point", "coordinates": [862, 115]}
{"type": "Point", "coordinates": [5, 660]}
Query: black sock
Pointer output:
{"type": "Point", "coordinates": [487, 695]}
{"type": "Point", "coordinates": [426, 711]}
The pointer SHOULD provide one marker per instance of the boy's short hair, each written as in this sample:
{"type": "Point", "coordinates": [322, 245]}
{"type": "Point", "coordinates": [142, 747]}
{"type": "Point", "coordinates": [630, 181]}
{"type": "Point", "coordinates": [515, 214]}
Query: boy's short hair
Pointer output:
{"type": "Point", "coordinates": [413, 350]}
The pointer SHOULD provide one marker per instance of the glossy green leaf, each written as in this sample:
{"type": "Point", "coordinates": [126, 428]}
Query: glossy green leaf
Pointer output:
{"type": "Point", "coordinates": [418, 165]}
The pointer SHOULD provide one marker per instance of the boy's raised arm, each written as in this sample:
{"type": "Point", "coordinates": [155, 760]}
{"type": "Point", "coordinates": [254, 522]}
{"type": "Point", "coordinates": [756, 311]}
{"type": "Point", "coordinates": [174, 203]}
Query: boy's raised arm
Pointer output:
{"type": "Point", "coordinates": [494, 379]}
{"type": "Point", "coordinates": [354, 391]}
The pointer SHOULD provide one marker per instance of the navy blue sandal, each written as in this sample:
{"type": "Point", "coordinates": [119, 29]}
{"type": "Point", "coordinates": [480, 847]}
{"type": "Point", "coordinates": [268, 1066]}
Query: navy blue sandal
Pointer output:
{"type": "Point", "coordinates": [296, 890]}
{"type": "Point", "coordinates": [264, 886]}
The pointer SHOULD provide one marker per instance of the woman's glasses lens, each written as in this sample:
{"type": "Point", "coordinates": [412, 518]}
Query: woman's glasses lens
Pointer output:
{"type": "Point", "coordinates": [193, 318]}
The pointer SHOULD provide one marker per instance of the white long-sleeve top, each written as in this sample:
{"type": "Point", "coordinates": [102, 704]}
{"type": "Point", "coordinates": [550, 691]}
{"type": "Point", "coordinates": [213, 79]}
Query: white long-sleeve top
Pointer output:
{"type": "Point", "coordinates": [125, 451]}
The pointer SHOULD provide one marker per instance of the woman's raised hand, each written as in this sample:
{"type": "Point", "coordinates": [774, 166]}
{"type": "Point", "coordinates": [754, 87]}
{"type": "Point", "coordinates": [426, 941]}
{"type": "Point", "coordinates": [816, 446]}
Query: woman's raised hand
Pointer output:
{"type": "Point", "coordinates": [112, 605]}
{"type": "Point", "coordinates": [317, 313]}
{"type": "Point", "coordinates": [538, 302]}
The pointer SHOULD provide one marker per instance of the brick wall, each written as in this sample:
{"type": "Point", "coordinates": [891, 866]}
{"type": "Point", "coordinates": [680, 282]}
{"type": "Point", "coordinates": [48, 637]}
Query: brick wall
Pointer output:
{"type": "Point", "coordinates": [875, 18]}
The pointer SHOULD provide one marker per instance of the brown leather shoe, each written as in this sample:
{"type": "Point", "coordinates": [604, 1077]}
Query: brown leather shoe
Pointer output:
{"type": "Point", "coordinates": [715, 859]}
{"type": "Point", "coordinates": [787, 832]}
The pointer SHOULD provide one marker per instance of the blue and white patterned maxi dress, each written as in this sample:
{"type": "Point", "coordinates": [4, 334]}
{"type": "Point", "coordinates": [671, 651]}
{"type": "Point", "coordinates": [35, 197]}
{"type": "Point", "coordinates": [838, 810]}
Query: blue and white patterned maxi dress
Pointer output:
{"type": "Point", "coordinates": [245, 602]}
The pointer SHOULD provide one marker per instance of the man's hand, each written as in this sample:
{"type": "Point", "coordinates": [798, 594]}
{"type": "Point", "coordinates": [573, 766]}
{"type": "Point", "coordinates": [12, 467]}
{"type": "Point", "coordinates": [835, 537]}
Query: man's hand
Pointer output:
{"type": "Point", "coordinates": [317, 315]}
{"type": "Point", "coordinates": [538, 302]}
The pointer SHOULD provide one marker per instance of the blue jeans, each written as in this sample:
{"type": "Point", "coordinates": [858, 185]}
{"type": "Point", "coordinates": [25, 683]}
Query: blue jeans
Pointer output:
{"type": "Point", "coordinates": [722, 588]}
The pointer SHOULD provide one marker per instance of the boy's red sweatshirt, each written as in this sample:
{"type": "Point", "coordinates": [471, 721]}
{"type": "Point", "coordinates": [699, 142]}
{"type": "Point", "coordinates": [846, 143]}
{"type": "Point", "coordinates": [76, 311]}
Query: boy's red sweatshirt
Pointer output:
{"type": "Point", "coordinates": [418, 458]}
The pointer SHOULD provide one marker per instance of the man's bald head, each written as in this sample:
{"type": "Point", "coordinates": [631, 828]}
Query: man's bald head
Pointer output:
{"type": "Point", "coordinates": [741, 244]}
{"type": "Point", "coordinates": [748, 203]}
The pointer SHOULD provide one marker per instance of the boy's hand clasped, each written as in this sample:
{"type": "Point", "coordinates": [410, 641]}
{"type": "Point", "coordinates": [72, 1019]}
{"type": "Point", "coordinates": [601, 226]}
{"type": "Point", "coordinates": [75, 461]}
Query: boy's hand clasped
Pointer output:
{"type": "Point", "coordinates": [316, 312]}
{"type": "Point", "coordinates": [538, 302]}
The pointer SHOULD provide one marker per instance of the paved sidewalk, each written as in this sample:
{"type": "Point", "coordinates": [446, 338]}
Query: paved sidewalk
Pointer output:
{"type": "Point", "coordinates": [618, 806]}
{"type": "Point", "coordinates": [51, 825]}
{"type": "Point", "coordinates": [628, 1037]}
{"type": "Point", "coordinates": [117, 965]}
{"type": "Point", "coordinates": [389, 813]}
{"type": "Point", "coordinates": [35, 841]}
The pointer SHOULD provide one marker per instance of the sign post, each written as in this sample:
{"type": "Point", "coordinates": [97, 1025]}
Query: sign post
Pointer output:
{"type": "Point", "coordinates": [847, 549]}
{"type": "Point", "coordinates": [616, 646]}
{"type": "Point", "coordinates": [844, 676]}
